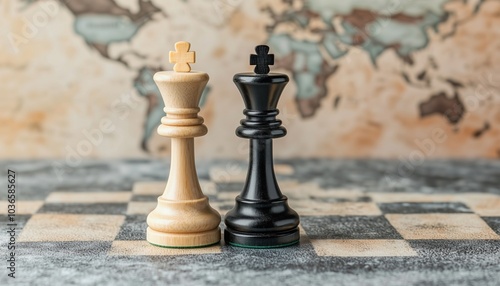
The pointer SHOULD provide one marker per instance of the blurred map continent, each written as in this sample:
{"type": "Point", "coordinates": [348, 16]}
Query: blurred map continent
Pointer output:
{"type": "Point", "coordinates": [307, 37]}
{"type": "Point", "coordinates": [317, 42]}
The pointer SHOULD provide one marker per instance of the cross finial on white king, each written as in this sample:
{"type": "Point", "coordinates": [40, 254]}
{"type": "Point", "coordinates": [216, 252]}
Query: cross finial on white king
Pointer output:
{"type": "Point", "coordinates": [182, 57]}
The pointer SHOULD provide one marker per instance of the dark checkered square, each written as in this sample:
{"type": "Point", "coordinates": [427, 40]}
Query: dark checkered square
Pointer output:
{"type": "Point", "coordinates": [349, 227]}
{"type": "Point", "coordinates": [105, 208]}
{"type": "Point", "coordinates": [416, 208]}
{"type": "Point", "coordinates": [134, 228]}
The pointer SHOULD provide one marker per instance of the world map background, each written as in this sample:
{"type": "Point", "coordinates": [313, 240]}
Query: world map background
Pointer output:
{"type": "Point", "coordinates": [378, 78]}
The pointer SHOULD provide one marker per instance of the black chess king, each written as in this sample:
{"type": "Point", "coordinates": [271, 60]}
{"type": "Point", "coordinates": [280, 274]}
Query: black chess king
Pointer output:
{"type": "Point", "coordinates": [261, 217]}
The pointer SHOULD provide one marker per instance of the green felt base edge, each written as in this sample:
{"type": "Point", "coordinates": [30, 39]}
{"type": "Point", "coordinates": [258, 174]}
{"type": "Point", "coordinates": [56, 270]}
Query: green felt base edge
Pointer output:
{"type": "Point", "coordinates": [264, 246]}
{"type": "Point", "coordinates": [181, 247]}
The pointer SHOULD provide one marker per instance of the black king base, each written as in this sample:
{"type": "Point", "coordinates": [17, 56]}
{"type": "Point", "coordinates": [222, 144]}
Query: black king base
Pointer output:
{"type": "Point", "coordinates": [261, 217]}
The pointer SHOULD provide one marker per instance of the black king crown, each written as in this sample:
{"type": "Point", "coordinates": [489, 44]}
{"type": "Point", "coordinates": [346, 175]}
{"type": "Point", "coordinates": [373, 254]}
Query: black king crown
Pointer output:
{"type": "Point", "coordinates": [261, 92]}
{"type": "Point", "coordinates": [261, 217]}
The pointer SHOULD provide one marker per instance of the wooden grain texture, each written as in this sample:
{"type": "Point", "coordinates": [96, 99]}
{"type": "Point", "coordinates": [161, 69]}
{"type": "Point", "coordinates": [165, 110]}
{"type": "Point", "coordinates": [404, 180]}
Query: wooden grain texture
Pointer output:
{"type": "Point", "coordinates": [183, 216]}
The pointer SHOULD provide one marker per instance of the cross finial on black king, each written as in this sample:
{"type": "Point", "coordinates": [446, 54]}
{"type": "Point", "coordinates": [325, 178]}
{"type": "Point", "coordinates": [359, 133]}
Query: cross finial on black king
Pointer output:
{"type": "Point", "coordinates": [262, 59]}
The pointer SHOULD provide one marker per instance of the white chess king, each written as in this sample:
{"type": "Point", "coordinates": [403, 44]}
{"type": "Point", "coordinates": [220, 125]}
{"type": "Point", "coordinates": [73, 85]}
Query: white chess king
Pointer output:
{"type": "Point", "coordinates": [183, 216]}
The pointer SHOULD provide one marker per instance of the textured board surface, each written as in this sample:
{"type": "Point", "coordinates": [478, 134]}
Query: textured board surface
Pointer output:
{"type": "Point", "coordinates": [439, 225]}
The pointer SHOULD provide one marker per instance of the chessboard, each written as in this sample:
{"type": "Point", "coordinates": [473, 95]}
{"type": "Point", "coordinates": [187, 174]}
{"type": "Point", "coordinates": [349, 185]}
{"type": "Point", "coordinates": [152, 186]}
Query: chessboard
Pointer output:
{"type": "Point", "coordinates": [349, 235]}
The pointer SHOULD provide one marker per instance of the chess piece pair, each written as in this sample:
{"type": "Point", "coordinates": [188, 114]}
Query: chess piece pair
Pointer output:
{"type": "Point", "coordinates": [183, 217]}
